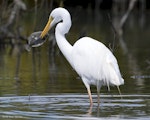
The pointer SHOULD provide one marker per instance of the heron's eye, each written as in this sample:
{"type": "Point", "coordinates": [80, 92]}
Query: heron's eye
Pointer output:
{"type": "Point", "coordinates": [60, 21]}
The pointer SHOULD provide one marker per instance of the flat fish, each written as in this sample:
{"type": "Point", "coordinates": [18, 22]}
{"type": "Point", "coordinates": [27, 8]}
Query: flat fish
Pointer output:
{"type": "Point", "coordinates": [34, 40]}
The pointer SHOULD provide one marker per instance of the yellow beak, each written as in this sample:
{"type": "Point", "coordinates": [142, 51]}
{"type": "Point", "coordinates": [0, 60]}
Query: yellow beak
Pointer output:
{"type": "Point", "coordinates": [47, 28]}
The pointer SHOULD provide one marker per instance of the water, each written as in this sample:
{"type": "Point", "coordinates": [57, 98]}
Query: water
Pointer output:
{"type": "Point", "coordinates": [74, 106]}
{"type": "Point", "coordinates": [39, 85]}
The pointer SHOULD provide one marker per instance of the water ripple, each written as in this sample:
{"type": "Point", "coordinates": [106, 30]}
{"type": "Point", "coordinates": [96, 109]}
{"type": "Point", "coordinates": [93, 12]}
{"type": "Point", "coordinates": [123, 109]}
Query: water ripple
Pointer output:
{"type": "Point", "coordinates": [75, 106]}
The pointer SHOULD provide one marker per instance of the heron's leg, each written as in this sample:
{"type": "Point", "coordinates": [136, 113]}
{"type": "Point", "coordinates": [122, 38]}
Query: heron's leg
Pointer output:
{"type": "Point", "coordinates": [85, 81]}
{"type": "Point", "coordinates": [90, 96]}
{"type": "Point", "coordinates": [98, 95]}
{"type": "Point", "coordinates": [98, 91]}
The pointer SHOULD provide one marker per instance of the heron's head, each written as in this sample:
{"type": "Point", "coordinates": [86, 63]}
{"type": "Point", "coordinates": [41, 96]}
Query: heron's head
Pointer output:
{"type": "Point", "coordinates": [56, 16]}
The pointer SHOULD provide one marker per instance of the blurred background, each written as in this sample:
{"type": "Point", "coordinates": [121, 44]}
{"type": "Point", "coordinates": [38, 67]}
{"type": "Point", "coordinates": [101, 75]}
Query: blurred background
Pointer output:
{"type": "Point", "coordinates": [122, 25]}
{"type": "Point", "coordinates": [40, 83]}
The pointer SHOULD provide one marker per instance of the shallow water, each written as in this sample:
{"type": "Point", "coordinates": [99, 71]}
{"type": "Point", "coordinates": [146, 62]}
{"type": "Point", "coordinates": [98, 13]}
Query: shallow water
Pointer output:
{"type": "Point", "coordinates": [74, 106]}
{"type": "Point", "coordinates": [42, 85]}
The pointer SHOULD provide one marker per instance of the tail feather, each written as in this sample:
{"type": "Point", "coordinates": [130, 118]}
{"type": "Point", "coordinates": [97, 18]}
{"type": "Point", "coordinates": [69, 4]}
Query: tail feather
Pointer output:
{"type": "Point", "coordinates": [115, 77]}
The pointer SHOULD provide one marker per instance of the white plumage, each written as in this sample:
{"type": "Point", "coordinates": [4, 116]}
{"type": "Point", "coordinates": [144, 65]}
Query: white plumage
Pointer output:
{"type": "Point", "coordinates": [91, 59]}
{"type": "Point", "coordinates": [95, 61]}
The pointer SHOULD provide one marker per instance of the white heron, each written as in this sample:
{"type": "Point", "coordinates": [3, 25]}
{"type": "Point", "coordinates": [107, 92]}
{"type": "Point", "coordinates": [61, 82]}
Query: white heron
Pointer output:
{"type": "Point", "coordinates": [91, 59]}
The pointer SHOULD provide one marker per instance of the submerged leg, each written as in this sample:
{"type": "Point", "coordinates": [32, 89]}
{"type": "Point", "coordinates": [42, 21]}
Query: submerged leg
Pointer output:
{"type": "Point", "coordinates": [98, 91]}
{"type": "Point", "coordinates": [98, 95]}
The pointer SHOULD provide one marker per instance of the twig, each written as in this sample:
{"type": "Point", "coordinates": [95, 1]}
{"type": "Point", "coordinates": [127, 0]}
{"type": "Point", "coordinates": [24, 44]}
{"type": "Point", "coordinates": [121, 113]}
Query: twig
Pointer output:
{"type": "Point", "coordinates": [125, 16]}
{"type": "Point", "coordinates": [18, 5]}
{"type": "Point", "coordinates": [115, 33]}
{"type": "Point", "coordinates": [118, 29]}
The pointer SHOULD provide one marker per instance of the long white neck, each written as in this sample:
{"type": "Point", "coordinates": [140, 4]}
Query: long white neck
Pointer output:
{"type": "Point", "coordinates": [60, 31]}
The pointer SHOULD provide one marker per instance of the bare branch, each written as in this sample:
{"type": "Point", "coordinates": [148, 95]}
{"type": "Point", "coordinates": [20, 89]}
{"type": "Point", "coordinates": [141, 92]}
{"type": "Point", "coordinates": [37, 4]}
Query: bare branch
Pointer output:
{"type": "Point", "coordinates": [125, 16]}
